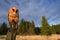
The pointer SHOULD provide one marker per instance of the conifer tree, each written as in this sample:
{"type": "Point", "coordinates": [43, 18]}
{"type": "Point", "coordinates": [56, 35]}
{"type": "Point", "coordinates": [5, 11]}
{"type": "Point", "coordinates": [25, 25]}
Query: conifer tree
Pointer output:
{"type": "Point", "coordinates": [45, 29]}
{"type": "Point", "coordinates": [3, 29]}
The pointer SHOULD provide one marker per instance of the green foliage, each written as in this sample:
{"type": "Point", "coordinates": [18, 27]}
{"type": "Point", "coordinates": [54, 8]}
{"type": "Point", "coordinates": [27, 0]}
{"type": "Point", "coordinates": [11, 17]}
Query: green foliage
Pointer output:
{"type": "Point", "coordinates": [56, 29]}
{"type": "Point", "coordinates": [53, 31]}
{"type": "Point", "coordinates": [45, 29]}
{"type": "Point", "coordinates": [26, 27]}
{"type": "Point", "coordinates": [37, 30]}
{"type": "Point", "coordinates": [3, 29]}
{"type": "Point", "coordinates": [21, 27]}
{"type": "Point", "coordinates": [44, 21]}
{"type": "Point", "coordinates": [31, 27]}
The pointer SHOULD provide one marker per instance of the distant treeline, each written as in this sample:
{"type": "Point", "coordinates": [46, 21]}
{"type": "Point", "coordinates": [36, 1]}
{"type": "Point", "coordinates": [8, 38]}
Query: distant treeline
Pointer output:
{"type": "Point", "coordinates": [28, 28]}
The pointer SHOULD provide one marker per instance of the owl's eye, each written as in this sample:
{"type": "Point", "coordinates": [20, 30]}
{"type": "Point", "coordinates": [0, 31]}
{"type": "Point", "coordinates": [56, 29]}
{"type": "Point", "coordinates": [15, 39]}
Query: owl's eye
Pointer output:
{"type": "Point", "coordinates": [16, 11]}
{"type": "Point", "coordinates": [13, 10]}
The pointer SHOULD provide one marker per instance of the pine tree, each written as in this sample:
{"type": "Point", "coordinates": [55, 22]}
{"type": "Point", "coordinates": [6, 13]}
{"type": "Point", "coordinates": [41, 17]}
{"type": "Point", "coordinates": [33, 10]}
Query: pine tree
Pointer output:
{"type": "Point", "coordinates": [31, 27]}
{"type": "Point", "coordinates": [53, 29]}
{"type": "Point", "coordinates": [21, 27]}
{"type": "Point", "coordinates": [56, 29]}
{"type": "Point", "coordinates": [45, 29]}
{"type": "Point", "coordinates": [3, 29]}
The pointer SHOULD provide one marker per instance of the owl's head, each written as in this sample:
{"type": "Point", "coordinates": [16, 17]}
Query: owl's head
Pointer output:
{"type": "Point", "coordinates": [13, 10]}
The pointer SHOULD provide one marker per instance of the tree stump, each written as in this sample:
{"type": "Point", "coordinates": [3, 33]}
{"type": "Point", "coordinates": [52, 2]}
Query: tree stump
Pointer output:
{"type": "Point", "coordinates": [11, 35]}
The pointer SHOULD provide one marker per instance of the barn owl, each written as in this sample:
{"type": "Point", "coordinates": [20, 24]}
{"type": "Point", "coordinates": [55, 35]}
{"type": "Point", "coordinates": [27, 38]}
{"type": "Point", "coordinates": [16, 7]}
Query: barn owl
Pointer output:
{"type": "Point", "coordinates": [13, 17]}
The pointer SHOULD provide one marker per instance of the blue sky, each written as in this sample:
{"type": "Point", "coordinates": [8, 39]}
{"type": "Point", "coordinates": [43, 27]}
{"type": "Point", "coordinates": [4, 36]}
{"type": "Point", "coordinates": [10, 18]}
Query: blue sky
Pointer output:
{"type": "Point", "coordinates": [32, 10]}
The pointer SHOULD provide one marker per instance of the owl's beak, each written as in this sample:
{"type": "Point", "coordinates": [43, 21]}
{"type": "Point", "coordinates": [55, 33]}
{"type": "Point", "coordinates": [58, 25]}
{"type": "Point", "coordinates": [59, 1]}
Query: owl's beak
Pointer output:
{"type": "Point", "coordinates": [14, 13]}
